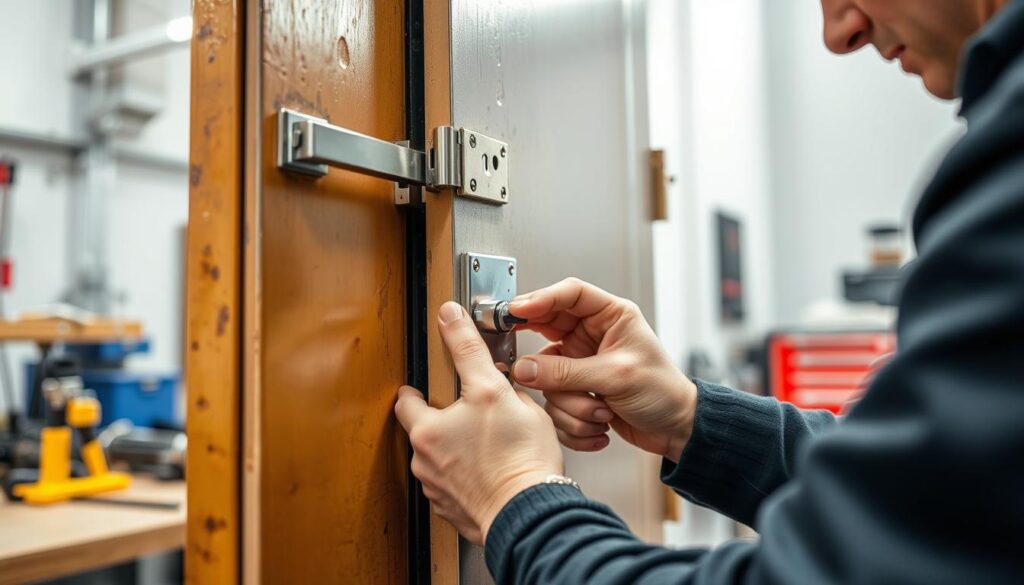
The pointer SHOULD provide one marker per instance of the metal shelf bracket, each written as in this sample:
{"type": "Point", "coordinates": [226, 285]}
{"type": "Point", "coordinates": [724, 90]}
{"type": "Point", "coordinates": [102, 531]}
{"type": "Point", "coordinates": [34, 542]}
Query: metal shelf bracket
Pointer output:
{"type": "Point", "coordinates": [474, 165]}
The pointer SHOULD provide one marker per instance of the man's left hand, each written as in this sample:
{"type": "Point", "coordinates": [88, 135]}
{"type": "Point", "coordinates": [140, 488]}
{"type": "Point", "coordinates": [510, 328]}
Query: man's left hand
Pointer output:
{"type": "Point", "coordinates": [477, 454]}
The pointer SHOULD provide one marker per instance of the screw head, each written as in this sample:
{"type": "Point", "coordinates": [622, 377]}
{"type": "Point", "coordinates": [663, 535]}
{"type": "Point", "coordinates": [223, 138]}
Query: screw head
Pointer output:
{"type": "Point", "coordinates": [511, 356]}
{"type": "Point", "coordinates": [472, 185]}
{"type": "Point", "coordinates": [476, 265]}
{"type": "Point", "coordinates": [511, 269]}
{"type": "Point", "coordinates": [502, 152]}
{"type": "Point", "coordinates": [504, 193]}
{"type": "Point", "coordinates": [472, 140]}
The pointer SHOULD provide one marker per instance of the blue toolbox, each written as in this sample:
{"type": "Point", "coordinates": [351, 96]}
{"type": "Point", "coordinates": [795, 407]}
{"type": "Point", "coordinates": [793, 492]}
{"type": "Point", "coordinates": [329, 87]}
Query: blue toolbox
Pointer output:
{"type": "Point", "coordinates": [146, 399]}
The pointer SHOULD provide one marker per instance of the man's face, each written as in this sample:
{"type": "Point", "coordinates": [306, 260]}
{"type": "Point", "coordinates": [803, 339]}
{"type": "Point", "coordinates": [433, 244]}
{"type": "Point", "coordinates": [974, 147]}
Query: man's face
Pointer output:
{"type": "Point", "coordinates": [927, 36]}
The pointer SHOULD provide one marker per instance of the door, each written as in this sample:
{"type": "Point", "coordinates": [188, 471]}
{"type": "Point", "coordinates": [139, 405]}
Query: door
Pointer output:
{"type": "Point", "coordinates": [325, 498]}
{"type": "Point", "coordinates": [296, 365]}
{"type": "Point", "coordinates": [561, 83]}
{"type": "Point", "coordinates": [312, 296]}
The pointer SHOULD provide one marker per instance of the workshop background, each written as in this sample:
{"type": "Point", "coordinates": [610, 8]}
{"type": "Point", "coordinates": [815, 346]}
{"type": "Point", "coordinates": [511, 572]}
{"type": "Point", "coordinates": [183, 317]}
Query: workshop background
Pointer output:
{"type": "Point", "coordinates": [782, 157]}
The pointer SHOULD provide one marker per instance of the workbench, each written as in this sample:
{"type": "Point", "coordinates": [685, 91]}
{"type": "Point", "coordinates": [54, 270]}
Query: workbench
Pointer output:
{"type": "Point", "coordinates": [53, 329]}
{"type": "Point", "coordinates": [39, 543]}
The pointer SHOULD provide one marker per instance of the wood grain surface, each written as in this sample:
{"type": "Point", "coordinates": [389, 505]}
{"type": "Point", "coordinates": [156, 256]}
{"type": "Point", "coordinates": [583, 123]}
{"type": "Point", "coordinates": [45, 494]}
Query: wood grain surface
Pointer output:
{"type": "Point", "coordinates": [53, 329]}
{"type": "Point", "coordinates": [330, 458]}
{"type": "Point", "coordinates": [214, 297]}
{"type": "Point", "coordinates": [46, 542]}
{"type": "Point", "coordinates": [444, 540]}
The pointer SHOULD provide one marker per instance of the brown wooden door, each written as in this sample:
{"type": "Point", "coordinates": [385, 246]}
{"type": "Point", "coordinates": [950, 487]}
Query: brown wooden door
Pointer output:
{"type": "Point", "coordinates": [328, 263]}
{"type": "Point", "coordinates": [315, 322]}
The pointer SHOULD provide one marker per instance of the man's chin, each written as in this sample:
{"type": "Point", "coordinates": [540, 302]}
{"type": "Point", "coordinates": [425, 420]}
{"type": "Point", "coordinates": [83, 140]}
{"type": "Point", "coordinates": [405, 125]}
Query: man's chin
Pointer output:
{"type": "Point", "coordinates": [939, 84]}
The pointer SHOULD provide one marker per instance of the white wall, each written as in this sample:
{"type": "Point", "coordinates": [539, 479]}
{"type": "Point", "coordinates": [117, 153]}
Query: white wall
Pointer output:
{"type": "Point", "coordinates": [149, 206]}
{"type": "Point", "coordinates": [852, 139]}
{"type": "Point", "coordinates": [708, 97]}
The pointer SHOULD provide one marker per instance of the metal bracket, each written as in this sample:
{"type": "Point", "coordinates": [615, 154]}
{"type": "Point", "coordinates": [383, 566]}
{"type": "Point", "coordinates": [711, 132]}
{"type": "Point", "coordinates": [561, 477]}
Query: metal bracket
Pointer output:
{"type": "Point", "coordinates": [483, 167]}
{"type": "Point", "coordinates": [474, 165]}
{"type": "Point", "coordinates": [486, 279]}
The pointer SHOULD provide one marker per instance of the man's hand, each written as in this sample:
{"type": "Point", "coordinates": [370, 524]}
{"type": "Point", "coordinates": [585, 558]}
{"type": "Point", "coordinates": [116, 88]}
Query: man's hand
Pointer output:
{"type": "Point", "coordinates": [604, 366]}
{"type": "Point", "coordinates": [492, 443]}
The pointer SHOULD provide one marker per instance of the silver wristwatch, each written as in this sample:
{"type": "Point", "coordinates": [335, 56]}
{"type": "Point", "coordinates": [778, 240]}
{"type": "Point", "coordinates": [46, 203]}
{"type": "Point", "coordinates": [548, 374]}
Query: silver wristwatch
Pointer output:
{"type": "Point", "coordinates": [563, 480]}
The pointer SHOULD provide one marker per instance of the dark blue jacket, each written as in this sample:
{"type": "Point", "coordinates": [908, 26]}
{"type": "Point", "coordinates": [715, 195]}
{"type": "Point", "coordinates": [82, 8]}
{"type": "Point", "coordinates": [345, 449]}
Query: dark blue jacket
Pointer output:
{"type": "Point", "coordinates": [923, 482]}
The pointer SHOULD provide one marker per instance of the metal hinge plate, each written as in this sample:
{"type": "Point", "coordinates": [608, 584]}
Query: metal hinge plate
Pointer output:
{"type": "Point", "coordinates": [473, 164]}
{"type": "Point", "coordinates": [480, 161]}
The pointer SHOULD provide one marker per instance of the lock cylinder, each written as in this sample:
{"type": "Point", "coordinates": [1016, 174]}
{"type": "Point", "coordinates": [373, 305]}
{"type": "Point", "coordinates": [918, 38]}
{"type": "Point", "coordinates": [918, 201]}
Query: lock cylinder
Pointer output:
{"type": "Point", "coordinates": [493, 316]}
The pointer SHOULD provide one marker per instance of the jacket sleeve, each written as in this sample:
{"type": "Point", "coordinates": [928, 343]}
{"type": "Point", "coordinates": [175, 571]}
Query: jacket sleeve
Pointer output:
{"type": "Point", "coordinates": [742, 449]}
{"type": "Point", "coordinates": [923, 481]}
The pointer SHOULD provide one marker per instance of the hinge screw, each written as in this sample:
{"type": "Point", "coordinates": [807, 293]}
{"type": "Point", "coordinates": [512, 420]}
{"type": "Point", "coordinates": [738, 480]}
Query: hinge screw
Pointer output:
{"type": "Point", "coordinates": [511, 269]}
{"type": "Point", "coordinates": [502, 152]}
{"type": "Point", "coordinates": [476, 265]}
{"type": "Point", "coordinates": [472, 184]}
{"type": "Point", "coordinates": [504, 193]}
{"type": "Point", "coordinates": [472, 140]}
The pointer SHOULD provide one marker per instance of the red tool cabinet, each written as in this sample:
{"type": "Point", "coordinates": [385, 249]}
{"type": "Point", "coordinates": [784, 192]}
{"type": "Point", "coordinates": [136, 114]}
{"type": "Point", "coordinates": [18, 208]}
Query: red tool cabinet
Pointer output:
{"type": "Point", "coordinates": [823, 369]}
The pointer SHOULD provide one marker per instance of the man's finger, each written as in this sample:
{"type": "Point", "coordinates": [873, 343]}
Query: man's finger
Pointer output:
{"type": "Point", "coordinates": [469, 352]}
{"type": "Point", "coordinates": [410, 408]}
{"type": "Point", "coordinates": [550, 333]}
{"type": "Point", "coordinates": [551, 373]}
{"type": "Point", "coordinates": [572, 295]}
{"type": "Point", "coordinates": [588, 444]}
{"type": "Point", "coordinates": [581, 405]}
{"type": "Point", "coordinates": [572, 425]}
{"type": "Point", "coordinates": [472, 359]}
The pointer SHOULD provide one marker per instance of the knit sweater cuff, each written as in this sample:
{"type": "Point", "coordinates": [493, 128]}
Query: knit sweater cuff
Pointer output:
{"type": "Point", "coordinates": [729, 447]}
{"type": "Point", "coordinates": [522, 513]}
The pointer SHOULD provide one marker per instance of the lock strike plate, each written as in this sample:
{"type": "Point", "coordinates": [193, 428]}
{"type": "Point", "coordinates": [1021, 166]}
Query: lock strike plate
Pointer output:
{"type": "Point", "coordinates": [485, 280]}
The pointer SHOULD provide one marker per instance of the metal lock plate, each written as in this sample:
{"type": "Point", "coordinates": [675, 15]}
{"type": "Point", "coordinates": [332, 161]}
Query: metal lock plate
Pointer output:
{"type": "Point", "coordinates": [485, 278]}
{"type": "Point", "coordinates": [484, 167]}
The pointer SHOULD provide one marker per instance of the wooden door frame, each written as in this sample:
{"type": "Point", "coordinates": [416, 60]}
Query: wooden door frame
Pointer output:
{"type": "Point", "coordinates": [444, 539]}
{"type": "Point", "coordinates": [214, 278]}
{"type": "Point", "coordinates": [221, 297]}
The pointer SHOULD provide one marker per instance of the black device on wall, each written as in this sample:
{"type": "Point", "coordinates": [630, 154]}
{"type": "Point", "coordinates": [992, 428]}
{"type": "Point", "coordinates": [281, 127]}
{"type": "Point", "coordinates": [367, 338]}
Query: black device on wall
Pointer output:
{"type": "Point", "coordinates": [730, 274]}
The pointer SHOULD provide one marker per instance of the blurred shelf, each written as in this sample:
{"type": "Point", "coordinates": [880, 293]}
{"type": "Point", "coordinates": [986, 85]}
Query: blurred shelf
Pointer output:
{"type": "Point", "coordinates": [54, 329]}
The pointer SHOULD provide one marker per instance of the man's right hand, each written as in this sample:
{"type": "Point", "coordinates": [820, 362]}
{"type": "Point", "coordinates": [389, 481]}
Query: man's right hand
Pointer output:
{"type": "Point", "coordinates": [604, 366]}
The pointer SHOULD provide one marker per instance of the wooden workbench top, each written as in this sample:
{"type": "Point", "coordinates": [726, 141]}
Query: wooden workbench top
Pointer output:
{"type": "Point", "coordinates": [53, 329]}
{"type": "Point", "coordinates": [45, 542]}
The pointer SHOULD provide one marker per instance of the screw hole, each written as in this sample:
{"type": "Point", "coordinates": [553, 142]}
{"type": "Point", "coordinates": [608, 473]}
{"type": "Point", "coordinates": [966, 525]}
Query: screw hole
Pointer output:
{"type": "Point", "coordinates": [494, 162]}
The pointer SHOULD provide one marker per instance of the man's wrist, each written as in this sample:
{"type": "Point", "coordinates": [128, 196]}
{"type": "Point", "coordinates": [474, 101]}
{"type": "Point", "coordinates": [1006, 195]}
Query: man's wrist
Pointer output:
{"type": "Point", "coordinates": [505, 494]}
{"type": "Point", "coordinates": [683, 430]}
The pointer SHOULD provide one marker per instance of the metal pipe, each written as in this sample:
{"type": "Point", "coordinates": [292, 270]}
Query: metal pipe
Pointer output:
{"type": "Point", "coordinates": [104, 54]}
{"type": "Point", "coordinates": [73, 147]}
{"type": "Point", "coordinates": [69, 146]}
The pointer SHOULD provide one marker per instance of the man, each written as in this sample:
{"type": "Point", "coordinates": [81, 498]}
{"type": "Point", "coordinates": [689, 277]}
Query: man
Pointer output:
{"type": "Point", "coordinates": [923, 482]}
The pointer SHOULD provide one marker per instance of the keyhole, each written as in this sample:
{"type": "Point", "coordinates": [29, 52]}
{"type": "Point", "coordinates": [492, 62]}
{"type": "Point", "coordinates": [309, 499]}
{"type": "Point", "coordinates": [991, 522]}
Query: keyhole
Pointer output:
{"type": "Point", "coordinates": [487, 165]}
